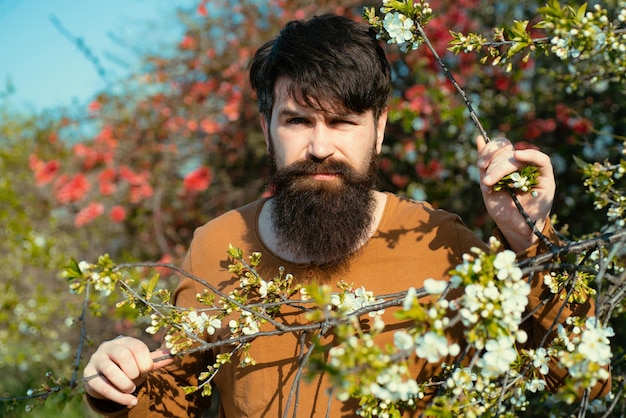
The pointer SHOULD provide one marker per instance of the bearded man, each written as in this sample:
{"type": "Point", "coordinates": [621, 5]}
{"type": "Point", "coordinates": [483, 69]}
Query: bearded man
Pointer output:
{"type": "Point", "coordinates": [322, 88]}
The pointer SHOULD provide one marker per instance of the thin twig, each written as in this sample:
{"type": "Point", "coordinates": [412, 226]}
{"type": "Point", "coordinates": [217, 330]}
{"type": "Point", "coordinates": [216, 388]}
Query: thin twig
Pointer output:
{"type": "Point", "coordinates": [83, 336]}
{"type": "Point", "coordinates": [456, 85]}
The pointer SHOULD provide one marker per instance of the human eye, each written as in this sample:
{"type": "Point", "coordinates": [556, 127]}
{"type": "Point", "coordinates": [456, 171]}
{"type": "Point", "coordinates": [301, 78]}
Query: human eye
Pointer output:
{"type": "Point", "coordinates": [296, 120]}
{"type": "Point", "coordinates": [343, 121]}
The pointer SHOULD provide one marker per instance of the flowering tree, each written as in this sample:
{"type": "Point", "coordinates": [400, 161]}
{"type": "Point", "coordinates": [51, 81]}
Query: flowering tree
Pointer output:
{"type": "Point", "coordinates": [190, 126]}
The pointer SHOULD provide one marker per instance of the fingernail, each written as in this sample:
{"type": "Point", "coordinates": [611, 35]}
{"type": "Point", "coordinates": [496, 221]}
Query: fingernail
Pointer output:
{"type": "Point", "coordinates": [133, 402]}
{"type": "Point", "coordinates": [487, 179]}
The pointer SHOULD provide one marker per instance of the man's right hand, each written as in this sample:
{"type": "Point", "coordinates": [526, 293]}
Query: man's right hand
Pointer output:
{"type": "Point", "coordinates": [120, 366]}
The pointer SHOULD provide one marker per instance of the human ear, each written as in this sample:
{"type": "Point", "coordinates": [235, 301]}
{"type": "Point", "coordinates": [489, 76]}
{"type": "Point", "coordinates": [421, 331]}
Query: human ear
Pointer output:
{"type": "Point", "coordinates": [381, 123]}
{"type": "Point", "coordinates": [265, 128]}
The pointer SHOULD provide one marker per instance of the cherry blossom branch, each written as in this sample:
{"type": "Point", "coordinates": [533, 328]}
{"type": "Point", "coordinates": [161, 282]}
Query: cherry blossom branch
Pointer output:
{"type": "Point", "coordinates": [391, 300]}
{"type": "Point", "coordinates": [481, 129]}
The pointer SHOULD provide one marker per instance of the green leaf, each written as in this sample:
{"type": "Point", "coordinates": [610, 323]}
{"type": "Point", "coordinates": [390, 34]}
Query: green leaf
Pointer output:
{"type": "Point", "coordinates": [152, 284]}
{"type": "Point", "coordinates": [234, 252]}
{"type": "Point", "coordinates": [580, 163]}
{"type": "Point", "coordinates": [582, 10]}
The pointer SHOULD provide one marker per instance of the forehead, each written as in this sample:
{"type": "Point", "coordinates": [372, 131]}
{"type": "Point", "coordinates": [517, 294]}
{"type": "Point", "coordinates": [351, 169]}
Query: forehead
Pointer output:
{"type": "Point", "coordinates": [288, 97]}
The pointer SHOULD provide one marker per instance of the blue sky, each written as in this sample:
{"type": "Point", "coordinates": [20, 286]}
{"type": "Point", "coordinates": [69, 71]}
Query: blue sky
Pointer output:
{"type": "Point", "coordinates": [47, 69]}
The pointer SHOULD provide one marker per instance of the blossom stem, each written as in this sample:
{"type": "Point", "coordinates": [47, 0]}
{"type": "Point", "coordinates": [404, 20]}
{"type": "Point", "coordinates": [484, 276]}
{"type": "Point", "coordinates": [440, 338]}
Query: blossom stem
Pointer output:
{"type": "Point", "coordinates": [456, 85]}
{"type": "Point", "coordinates": [83, 337]}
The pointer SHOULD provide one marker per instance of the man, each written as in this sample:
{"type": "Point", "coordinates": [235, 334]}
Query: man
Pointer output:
{"type": "Point", "coordinates": [322, 88]}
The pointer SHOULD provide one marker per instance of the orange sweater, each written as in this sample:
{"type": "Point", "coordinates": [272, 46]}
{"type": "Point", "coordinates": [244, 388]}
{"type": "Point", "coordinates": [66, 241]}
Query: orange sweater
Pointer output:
{"type": "Point", "coordinates": [413, 242]}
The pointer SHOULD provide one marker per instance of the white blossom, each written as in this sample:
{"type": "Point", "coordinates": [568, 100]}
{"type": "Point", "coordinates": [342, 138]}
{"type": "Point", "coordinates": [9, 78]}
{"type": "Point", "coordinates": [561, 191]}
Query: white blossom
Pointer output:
{"type": "Point", "coordinates": [462, 379]}
{"type": "Point", "coordinates": [432, 347]}
{"type": "Point", "coordinates": [536, 385]}
{"type": "Point", "coordinates": [263, 288]}
{"type": "Point", "coordinates": [540, 359]}
{"type": "Point", "coordinates": [595, 344]}
{"type": "Point", "coordinates": [498, 357]}
{"type": "Point", "coordinates": [353, 301]}
{"type": "Point", "coordinates": [520, 182]}
{"type": "Point", "coordinates": [251, 327]}
{"type": "Point", "coordinates": [392, 386]}
{"type": "Point", "coordinates": [403, 340]}
{"type": "Point", "coordinates": [505, 263]}
{"type": "Point", "coordinates": [435, 287]}
{"type": "Point", "coordinates": [399, 27]}
{"type": "Point", "coordinates": [411, 294]}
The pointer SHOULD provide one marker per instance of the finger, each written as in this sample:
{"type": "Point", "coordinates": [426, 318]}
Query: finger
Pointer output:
{"type": "Point", "coordinates": [534, 157]}
{"type": "Point", "coordinates": [480, 142]}
{"type": "Point", "coordinates": [480, 146]}
{"type": "Point", "coordinates": [159, 360]}
{"type": "Point", "coordinates": [137, 358]}
{"type": "Point", "coordinates": [494, 152]}
{"type": "Point", "coordinates": [101, 388]}
{"type": "Point", "coordinates": [122, 360]}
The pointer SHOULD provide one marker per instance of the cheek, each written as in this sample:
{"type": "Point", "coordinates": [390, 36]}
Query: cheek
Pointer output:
{"type": "Point", "coordinates": [288, 152]}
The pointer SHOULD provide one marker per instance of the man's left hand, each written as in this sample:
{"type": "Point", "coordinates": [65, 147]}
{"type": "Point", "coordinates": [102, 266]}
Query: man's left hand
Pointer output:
{"type": "Point", "coordinates": [499, 158]}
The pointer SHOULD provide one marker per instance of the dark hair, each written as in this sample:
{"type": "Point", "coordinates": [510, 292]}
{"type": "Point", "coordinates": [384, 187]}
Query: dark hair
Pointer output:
{"type": "Point", "coordinates": [328, 60]}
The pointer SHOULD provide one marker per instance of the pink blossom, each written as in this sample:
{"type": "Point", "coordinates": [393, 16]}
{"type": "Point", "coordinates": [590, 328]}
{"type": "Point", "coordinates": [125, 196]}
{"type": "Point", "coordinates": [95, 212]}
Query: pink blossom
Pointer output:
{"type": "Point", "coordinates": [117, 214]}
{"type": "Point", "coordinates": [88, 214]}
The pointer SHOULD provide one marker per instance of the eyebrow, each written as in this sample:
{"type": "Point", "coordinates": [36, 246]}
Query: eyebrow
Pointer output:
{"type": "Point", "coordinates": [288, 112]}
{"type": "Point", "coordinates": [284, 112]}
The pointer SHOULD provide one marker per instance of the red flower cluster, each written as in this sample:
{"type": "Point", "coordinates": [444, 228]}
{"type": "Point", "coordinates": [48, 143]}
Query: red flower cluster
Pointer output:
{"type": "Point", "coordinates": [88, 214]}
{"type": "Point", "coordinates": [44, 171]}
{"type": "Point", "coordinates": [432, 170]}
{"type": "Point", "coordinates": [117, 214]}
{"type": "Point", "coordinates": [106, 180]}
{"type": "Point", "coordinates": [71, 188]}
{"type": "Point", "coordinates": [198, 180]}
{"type": "Point", "coordinates": [139, 186]}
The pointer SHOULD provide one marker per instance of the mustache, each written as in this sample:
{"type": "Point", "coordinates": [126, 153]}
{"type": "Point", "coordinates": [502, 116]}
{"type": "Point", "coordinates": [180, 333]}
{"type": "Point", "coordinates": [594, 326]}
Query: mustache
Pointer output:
{"type": "Point", "coordinates": [311, 167]}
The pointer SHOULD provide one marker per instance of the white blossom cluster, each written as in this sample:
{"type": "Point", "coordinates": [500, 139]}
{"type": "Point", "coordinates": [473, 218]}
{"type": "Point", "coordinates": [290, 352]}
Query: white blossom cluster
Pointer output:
{"type": "Point", "coordinates": [399, 24]}
{"type": "Point", "coordinates": [499, 354]}
{"type": "Point", "coordinates": [350, 301]}
{"type": "Point", "coordinates": [433, 347]}
{"type": "Point", "coordinates": [520, 182]}
{"type": "Point", "coordinates": [594, 36]}
{"type": "Point", "coordinates": [198, 323]}
{"type": "Point", "coordinates": [569, 39]}
{"type": "Point", "coordinates": [249, 326]}
{"type": "Point", "coordinates": [586, 350]}
{"type": "Point", "coordinates": [383, 390]}
{"type": "Point", "coordinates": [393, 385]}
{"type": "Point", "coordinates": [503, 300]}
{"type": "Point", "coordinates": [191, 322]}
{"type": "Point", "coordinates": [461, 380]}
{"type": "Point", "coordinates": [103, 283]}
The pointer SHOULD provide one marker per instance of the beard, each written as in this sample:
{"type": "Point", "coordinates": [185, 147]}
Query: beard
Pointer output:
{"type": "Point", "coordinates": [322, 223]}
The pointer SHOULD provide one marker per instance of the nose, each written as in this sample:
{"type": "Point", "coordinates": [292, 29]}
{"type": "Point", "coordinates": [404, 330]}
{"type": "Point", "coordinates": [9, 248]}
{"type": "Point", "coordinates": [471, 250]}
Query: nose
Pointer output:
{"type": "Point", "coordinates": [321, 144]}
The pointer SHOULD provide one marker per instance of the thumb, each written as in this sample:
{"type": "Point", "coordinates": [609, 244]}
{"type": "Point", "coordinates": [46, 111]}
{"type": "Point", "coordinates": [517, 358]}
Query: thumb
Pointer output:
{"type": "Point", "coordinates": [480, 142]}
{"type": "Point", "coordinates": [161, 358]}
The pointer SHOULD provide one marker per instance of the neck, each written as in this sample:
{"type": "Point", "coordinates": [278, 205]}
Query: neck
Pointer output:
{"type": "Point", "coordinates": [270, 239]}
